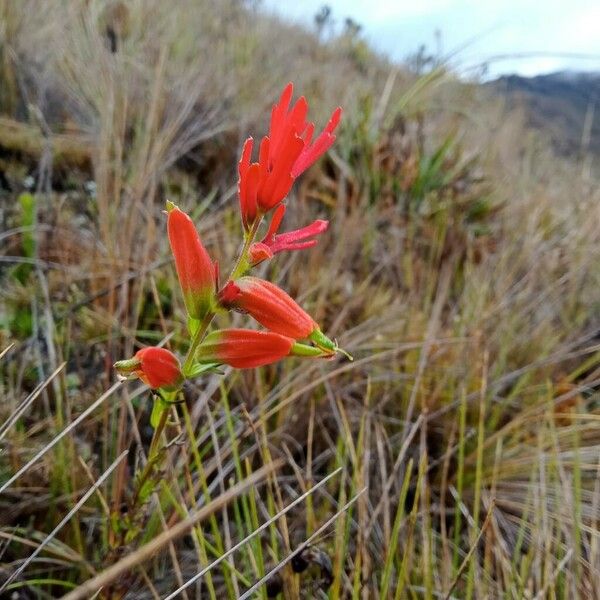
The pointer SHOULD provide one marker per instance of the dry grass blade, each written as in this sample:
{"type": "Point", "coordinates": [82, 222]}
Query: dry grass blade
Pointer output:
{"type": "Point", "coordinates": [559, 569]}
{"type": "Point", "coordinates": [145, 552]}
{"type": "Point", "coordinates": [445, 279]}
{"type": "Point", "coordinates": [65, 520]}
{"type": "Point", "coordinates": [25, 404]}
{"type": "Point", "coordinates": [302, 546]}
{"type": "Point", "coordinates": [393, 476]}
{"type": "Point", "coordinates": [253, 534]}
{"type": "Point", "coordinates": [467, 558]}
{"type": "Point", "coordinates": [61, 435]}
{"type": "Point", "coordinates": [6, 350]}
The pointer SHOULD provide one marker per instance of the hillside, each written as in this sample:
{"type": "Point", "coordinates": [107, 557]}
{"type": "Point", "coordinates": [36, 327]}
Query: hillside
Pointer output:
{"type": "Point", "coordinates": [566, 105]}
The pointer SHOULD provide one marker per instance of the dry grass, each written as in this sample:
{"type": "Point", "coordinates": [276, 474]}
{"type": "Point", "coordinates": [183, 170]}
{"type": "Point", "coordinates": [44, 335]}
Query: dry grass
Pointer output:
{"type": "Point", "coordinates": [461, 269]}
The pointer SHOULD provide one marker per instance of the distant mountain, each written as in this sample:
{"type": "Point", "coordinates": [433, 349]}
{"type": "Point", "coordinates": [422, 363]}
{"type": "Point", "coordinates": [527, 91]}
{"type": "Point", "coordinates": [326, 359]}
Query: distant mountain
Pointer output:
{"type": "Point", "coordinates": [566, 105]}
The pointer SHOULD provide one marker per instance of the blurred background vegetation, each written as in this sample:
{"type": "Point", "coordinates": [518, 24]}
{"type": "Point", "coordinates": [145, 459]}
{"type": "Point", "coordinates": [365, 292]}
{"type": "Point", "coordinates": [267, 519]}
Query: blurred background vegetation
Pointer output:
{"type": "Point", "coordinates": [461, 269]}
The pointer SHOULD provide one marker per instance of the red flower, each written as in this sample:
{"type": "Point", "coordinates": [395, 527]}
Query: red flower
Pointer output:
{"type": "Point", "coordinates": [243, 348]}
{"type": "Point", "coordinates": [248, 182]}
{"type": "Point", "coordinates": [285, 120]}
{"type": "Point", "coordinates": [195, 268]}
{"type": "Point", "coordinates": [284, 154]}
{"type": "Point", "coordinates": [269, 305]}
{"type": "Point", "coordinates": [263, 185]}
{"type": "Point", "coordinates": [157, 367]}
{"type": "Point", "coordinates": [273, 242]}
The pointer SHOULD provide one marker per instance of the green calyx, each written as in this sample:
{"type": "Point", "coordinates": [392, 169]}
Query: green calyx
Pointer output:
{"type": "Point", "coordinates": [321, 341]}
{"type": "Point", "coordinates": [308, 351]}
{"type": "Point", "coordinates": [171, 389]}
{"type": "Point", "coordinates": [128, 366]}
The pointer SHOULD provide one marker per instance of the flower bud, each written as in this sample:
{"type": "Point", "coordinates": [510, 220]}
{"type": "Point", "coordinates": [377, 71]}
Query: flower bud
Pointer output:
{"type": "Point", "coordinates": [243, 348]}
{"type": "Point", "coordinates": [269, 305]}
{"type": "Point", "coordinates": [156, 367]}
{"type": "Point", "coordinates": [195, 269]}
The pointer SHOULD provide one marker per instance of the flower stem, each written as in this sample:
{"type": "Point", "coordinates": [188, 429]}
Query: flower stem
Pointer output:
{"type": "Point", "coordinates": [198, 337]}
{"type": "Point", "coordinates": [152, 451]}
{"type": "Point", "coordinates": [242, 262]}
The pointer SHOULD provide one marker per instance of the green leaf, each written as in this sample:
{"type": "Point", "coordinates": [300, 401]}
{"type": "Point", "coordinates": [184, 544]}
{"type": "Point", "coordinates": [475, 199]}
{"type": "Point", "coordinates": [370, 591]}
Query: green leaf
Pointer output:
{"type": "Point", "coordinates": [198, 369]}
{"type": "Point", "coordinates": [146, 489]}
{"type": "Point", "coordinates": [157, 410]}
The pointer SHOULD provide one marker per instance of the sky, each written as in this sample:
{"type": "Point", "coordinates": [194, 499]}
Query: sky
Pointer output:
{"type": "Point", "coordinates": [550, 35]}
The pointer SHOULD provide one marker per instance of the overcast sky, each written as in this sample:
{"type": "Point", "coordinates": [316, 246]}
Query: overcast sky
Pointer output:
{"type": "Point", "coordinates": [473, 31]}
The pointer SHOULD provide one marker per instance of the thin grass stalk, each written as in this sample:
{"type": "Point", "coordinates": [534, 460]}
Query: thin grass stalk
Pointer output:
{"type": "Point", "coordinates": [253, 534]}
{"type": "Point", "coordinates": [20, 410]}
{"type": "Point", "coordinates": [61, 435]}
{"type": "Point", "coordinates": [302, 546]}
{"type": "Point", "coordinates": [65, 520]}
{"type": "Point", "coordinates": [395, 537]}
{"type": "Point", "coordinates": [139, 556]}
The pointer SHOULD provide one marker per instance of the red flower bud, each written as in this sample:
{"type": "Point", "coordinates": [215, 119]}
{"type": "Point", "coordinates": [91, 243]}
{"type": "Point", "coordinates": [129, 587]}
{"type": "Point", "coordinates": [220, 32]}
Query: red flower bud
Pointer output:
{"type": "Point", "coordinates": [195, 268]}
{"type": "Point", "coordinates": [157, 367]}
{"type": "Point", "coordinates": [269, 305]}
{"type": "Point", "coordinates": [259, 252]}
{"type": "Point", "coordinates": [243, 348]}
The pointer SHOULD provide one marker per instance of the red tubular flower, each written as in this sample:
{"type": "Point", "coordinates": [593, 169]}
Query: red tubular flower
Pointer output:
{"type": "Point", "coordinates": [297, 239]}
{"type": "Point", "coordinates": [156, 367]}
{"type": "Point", "coordinates": [269, 305]}
{"type": "Point", "coordinates": [264, 184]}
{"type": "Point", "coordinates": [284, 154]}
{"type": "Point", "coordinates": [195, 268]}
{"type": "Point", "coordinates": [312, 152]}
{"type": "Point", "coordinates": [248, 182]}
{"type": "Point", "coordinates": [285, 121]}
{"type": "Point", "coordinates": [243, 348]}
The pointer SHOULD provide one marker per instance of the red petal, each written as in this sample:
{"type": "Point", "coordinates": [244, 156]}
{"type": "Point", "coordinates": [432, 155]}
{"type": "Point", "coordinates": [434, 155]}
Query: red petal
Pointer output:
{"type": "Point", "coordinates": [312, 152]}
{"type": "Point", "coordinates": [275, 221]}
{"type": "Point", "coordinates": [246, 154]}
{"type": "Point", "coordinates": [294, 240]}
{"type": "Point", "coordinates": [259, 252]}
{"type": "Point", "coordinates": [273, 308]}
{"type": "Point", "coordinates": [280, 109]}
{"type": "Point", "coordinates": [229, 293]}
{"type": "Point", "coordinates": [334, 120]}
{"type": "Point", "coordinates": [159, 368]}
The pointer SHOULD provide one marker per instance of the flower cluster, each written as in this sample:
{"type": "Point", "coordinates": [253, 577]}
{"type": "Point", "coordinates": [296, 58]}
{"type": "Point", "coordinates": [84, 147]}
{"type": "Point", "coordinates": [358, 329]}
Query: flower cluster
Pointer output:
{"type": "Point", "coordinates": [287, 151]}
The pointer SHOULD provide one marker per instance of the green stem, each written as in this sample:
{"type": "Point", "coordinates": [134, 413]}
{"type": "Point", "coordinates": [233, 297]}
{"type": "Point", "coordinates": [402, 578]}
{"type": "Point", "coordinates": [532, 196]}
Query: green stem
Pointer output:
{"type": "Point", "coordinates": [150, 459]}
{"type": "Point", "coordinates": [240, 267]}
{"type": "Point", "coordinates": [157, 433]}
{"type": "Point", "coordinates": [198, 337]}
{"type": "Point", "coordinates": [242, 262]}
